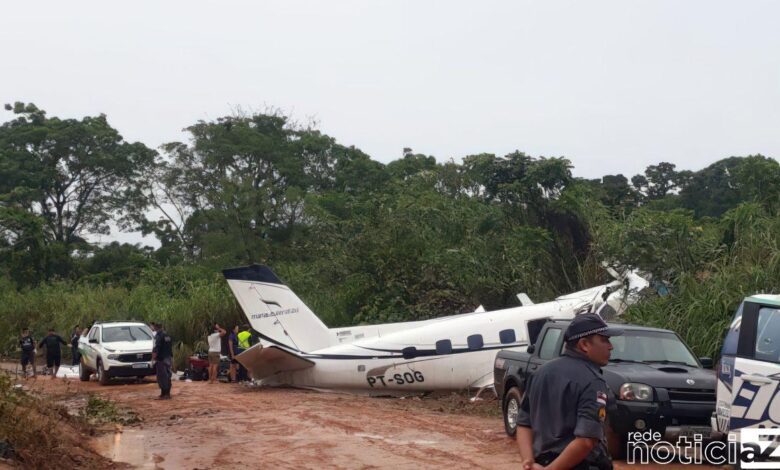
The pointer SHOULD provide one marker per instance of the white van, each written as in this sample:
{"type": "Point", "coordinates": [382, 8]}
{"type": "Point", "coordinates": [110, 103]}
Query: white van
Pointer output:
{"type": "Point", "coordinates": [749, 370]}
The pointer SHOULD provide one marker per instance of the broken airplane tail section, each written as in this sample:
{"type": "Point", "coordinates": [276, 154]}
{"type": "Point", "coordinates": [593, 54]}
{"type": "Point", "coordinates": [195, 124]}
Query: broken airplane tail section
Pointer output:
{"type": "Point", "coordinates": [275, 312]}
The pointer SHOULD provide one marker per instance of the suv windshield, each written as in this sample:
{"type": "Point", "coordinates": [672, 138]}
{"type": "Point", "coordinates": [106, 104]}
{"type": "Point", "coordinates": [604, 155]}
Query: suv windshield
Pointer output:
{"type": "Point", "coordinates": [651, 346]}
{"type": "Point", "coordinates": [113, 334]}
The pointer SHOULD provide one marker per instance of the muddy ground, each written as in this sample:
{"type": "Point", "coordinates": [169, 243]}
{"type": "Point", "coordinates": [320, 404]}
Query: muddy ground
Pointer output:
{"type": "Point", "coordinates": [227, 425]}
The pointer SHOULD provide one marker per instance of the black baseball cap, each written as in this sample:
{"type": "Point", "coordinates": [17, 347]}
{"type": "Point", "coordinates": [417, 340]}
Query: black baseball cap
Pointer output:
{"type": "Point", "coordinates": [587, 324]}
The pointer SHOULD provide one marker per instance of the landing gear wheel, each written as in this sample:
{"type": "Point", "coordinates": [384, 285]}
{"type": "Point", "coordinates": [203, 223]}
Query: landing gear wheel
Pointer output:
{"type": "Point", "coordinates": [512, 401]}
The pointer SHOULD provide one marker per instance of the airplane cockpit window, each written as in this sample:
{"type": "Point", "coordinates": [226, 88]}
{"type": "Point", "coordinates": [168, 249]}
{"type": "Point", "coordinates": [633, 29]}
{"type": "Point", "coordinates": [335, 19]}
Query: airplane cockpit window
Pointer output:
{"type": "Point", "coordinates": [507, 336]}
{"type": "Point", "coordinates": [444, 346]}
{"type": "Point", "coordinates": [409, 352]}
{"type": "Point", "coordinates": [475, 342]}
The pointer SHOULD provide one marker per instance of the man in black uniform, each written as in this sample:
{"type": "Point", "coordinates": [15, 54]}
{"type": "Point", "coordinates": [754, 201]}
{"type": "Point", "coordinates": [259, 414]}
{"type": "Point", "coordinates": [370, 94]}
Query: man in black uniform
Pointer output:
{"type": "Point", "coordinates": [561, 418]}
{"type": "Point", "coordinates": [162, 354]}
{"type": "Point", "coordinates": [27, 345]}
{"type": "Point", "coordinates": [53, 353]}
{"type": "Point", "coordinates": [74, 345]}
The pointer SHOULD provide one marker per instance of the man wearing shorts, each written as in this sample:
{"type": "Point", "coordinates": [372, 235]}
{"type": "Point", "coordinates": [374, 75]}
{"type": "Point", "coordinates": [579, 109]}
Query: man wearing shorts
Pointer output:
{"type": "Point", "coordinates": [215, 348]}
{"type": "Point", "coordinates": [53, 352]}
{"type": "Point", "coordinates": [27, 345]}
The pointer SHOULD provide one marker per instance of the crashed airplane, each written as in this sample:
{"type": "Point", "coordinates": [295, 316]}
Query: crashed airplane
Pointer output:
{"type": "Point", "coordinates": [447, 353]}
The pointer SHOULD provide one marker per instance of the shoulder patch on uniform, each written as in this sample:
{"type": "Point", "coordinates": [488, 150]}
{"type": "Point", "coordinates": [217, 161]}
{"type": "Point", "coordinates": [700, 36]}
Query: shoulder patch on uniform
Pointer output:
{"type": "Point", "coordinates": [601, 398]}
{"type": "Point", "coordinates": [602, 414]}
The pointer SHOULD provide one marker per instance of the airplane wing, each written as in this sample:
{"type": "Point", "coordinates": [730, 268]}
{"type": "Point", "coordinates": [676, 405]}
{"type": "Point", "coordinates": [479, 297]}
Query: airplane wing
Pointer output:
{"type": "Point", "coordinates": [265, 362]}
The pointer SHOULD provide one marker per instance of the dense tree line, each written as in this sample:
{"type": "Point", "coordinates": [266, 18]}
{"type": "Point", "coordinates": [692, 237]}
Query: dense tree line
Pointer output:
{"type": "Point", "coordinates": [359, 240]}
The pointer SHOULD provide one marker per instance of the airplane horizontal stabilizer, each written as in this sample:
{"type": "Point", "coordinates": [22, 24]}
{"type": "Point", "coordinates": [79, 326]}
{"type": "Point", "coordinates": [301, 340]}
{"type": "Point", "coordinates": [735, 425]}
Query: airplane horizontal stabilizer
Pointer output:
{"type": "Point", "coordinates": [265, 362]}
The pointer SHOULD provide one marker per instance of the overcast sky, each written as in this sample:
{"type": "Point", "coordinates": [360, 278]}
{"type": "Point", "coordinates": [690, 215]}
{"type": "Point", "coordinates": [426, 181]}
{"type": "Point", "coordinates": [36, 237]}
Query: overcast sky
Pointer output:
{"type": "Point", "coordinates": [612, 85]}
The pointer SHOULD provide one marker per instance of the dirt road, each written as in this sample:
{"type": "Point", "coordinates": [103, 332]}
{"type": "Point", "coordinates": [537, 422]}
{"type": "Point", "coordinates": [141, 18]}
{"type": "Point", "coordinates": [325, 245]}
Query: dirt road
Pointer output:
{"type": "Point", "coordinates": [224, 426]}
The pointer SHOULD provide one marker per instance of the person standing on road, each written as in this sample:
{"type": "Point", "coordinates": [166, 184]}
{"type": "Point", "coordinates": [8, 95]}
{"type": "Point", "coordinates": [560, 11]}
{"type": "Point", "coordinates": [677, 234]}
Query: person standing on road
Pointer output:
{"type": "Point", "coordinates": [244, 337]}
{"type": "Point", "coordinates": [52, 342]}
{"type": "Point", "coordinates": [215, 350]}
{"type": "Point", "coordinates": [162, 355]}
{"type": "Point", "coordinates": [224, 344]}
{"type": "Point", "coordinates": [74, 345]}
{"type": "Point", "coordinates": [233, 352]}
{"type": "Point", "coordinates": [27, 345]}
{"type": "Point", "coordinates": [561, 419]}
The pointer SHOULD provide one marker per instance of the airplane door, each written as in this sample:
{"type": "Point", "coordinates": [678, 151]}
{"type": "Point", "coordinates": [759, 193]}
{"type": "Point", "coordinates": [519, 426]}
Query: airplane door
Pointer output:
{"type": "Point", "coordinates": [755, 400]}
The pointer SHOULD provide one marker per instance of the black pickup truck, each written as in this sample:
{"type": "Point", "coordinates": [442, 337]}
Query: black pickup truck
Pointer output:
{"type": "Point", "coordinates": [658, 384]}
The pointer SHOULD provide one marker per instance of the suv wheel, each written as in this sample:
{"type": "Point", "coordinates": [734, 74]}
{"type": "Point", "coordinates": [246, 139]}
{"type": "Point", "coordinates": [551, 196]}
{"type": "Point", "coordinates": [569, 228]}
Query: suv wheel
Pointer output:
{"type": "Point", "coordinates": [83, 371]}
{"type": "Point", "coordinates": [511, 409]}
{"type": "Point", "coordinates": [102, 375]}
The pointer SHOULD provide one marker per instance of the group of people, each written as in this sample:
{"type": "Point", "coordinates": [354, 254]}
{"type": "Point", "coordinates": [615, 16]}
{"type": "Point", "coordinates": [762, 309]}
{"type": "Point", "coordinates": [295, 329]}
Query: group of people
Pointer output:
{"type": "Point", "coordinates": [231, 345]}
{"type": "Point", "coordinates": [51, 342]}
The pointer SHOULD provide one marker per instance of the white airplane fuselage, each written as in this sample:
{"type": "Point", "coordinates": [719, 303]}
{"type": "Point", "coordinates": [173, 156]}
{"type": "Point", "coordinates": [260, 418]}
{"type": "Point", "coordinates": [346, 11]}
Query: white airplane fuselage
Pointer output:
{"type": "Point", "coordinates": [447, 353]}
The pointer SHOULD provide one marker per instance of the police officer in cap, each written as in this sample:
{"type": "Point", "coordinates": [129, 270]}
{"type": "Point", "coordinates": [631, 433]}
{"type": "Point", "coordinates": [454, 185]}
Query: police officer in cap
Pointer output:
{"type": "Point", "coordinates": [561, 420]}
{"type": "Point", "coordinates": [162, 354]}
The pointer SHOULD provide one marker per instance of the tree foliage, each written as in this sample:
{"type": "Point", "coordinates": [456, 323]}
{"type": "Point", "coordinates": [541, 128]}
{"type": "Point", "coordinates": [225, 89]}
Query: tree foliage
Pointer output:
{"type": "Point", "coordinates": [360, 241]}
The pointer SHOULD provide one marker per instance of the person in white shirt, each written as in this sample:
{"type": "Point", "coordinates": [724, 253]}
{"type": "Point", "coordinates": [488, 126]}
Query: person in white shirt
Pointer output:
{"type": "Point", "coordinates": [215, 347]}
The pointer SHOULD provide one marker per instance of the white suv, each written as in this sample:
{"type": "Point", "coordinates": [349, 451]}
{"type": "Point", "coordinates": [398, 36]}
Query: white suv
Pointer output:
{"type": "Point", "coordinates": [116, 349]}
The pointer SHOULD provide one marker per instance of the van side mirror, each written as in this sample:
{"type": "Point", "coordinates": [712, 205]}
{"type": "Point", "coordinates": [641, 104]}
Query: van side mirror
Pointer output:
{"type": "Point", "coordinates": [706, 362]}
{"type": "Point", "coordinates": [531, 348]}
{"type": "Point", "coordinates": [93, 340]}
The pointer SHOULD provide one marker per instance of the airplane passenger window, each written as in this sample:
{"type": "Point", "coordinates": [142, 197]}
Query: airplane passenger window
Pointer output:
{"type": "Point", "coordinates": [475, 342]}
{"type": "Point", "coordinates": [507, 336]}
{"type": "Point", "coordinates": [444, 346]}
{"type": "Point", "coordinates": [409, 352]}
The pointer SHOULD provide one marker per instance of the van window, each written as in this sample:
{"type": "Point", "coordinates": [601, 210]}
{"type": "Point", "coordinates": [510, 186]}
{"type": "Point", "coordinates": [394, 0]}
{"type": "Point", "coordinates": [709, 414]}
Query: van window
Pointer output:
{"type": "Point", "coordinates": [731, 340]}
{"type": "Point", "coordinates": [768, 335]}
{"type": "Point", "coordinates": [547, 350]}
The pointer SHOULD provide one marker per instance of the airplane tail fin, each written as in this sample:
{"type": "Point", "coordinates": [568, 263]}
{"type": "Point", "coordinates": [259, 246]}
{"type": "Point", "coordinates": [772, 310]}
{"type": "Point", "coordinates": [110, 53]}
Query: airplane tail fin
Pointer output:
{"type": "Point", "coordinates": [275, 312]}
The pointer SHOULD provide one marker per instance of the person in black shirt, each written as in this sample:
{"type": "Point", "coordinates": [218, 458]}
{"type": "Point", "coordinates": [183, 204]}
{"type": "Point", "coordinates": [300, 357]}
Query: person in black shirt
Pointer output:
{"type": "Point", "coordinates": [162, 354]}
{"type": "Point", "coordinates": [53, 353]}
{"type": "Point", "coordinates": [27, 345]}
{"type": "Point", "coordinates": [74, 345]}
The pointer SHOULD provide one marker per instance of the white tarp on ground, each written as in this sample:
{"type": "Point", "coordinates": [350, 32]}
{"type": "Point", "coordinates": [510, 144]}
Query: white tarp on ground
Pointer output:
{"type": "Point", "coordinates": [68, 372]}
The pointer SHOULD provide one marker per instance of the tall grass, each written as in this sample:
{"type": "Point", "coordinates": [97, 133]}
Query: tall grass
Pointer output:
{"type": "Point", "coordinates": [703, 302]}
{"type": "Point", "coordinates": [186, 302]}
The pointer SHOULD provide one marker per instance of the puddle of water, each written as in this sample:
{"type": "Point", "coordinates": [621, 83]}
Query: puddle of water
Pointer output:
{"type": "Point", "coordinates": [126, 447]}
